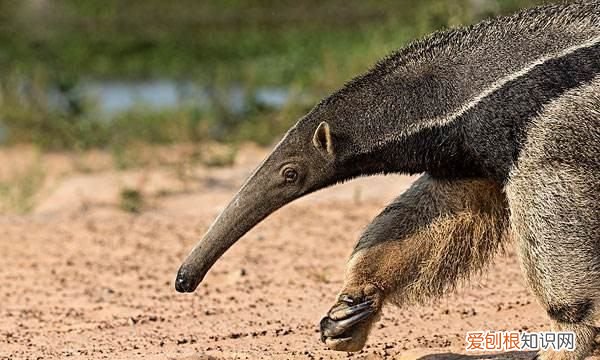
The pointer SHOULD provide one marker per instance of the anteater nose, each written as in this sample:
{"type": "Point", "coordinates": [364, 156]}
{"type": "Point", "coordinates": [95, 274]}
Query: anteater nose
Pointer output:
{"type": "Point", "coordinates": [185, 282]}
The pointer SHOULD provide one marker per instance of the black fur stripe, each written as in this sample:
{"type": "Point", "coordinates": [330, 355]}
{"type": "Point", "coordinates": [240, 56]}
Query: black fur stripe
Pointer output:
{"type": "Point", "coordinates": [496, 128]}
{"type": "Point", "coordinates": [487, 139]}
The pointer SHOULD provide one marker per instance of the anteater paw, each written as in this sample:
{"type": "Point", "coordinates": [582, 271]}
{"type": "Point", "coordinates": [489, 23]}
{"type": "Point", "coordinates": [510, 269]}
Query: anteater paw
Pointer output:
{"type": "Point", "coordinates": [347, 324]}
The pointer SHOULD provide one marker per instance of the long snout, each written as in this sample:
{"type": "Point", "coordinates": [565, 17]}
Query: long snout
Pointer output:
{"type": "Point", "coordinates": [251, 205]}
{"type": "Point", "coordinates": [241, 215]}
{"type": "Point", "coordinates": [229, 227]}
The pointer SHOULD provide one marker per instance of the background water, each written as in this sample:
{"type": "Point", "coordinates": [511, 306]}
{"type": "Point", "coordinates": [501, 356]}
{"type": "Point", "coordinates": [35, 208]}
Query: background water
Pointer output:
{"type": "Point", "coordinates": [111, 98]}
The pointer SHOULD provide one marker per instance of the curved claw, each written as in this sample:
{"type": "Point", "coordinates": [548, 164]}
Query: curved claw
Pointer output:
{"type": "Point", "coordinates": [341, 319]}
{"type": "Point", "coordinates": [342, 311]}
{"type": "Point", "coordinates": [347, 299]}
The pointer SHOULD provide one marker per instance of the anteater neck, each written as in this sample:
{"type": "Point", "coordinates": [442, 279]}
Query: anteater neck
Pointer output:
{"type": "Point", "coordinates": [480, 137]}
{"type": "Point", "coordinates": [438, 151]}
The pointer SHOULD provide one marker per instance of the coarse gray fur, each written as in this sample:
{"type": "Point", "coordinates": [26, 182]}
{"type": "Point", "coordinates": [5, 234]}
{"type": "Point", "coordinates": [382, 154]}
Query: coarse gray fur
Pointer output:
{"type": "Point", "coordinates": [503, 119]}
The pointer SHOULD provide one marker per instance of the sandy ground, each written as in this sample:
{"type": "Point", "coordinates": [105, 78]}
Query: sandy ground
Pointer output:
{"type": "Point", "coordinates": [82, 278]}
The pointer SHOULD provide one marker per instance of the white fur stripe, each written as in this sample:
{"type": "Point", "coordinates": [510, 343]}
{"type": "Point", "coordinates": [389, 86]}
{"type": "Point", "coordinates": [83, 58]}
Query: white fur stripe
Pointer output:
{"type": "Point", "coordinates": [441, 121]}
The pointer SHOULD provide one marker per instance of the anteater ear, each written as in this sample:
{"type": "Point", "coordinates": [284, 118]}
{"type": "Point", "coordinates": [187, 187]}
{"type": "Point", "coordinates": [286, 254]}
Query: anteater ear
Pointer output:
{"type": "Point", "coordinates": [322, 139]}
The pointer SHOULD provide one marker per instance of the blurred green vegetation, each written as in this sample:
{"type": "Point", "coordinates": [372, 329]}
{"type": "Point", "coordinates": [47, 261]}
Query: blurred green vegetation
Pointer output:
{"type": "Point", "coordinates": [310, 47]}
{"type": "Point", "coordinates": [17, 194]}
{"type": "Point", "coordinates": [132, 200]}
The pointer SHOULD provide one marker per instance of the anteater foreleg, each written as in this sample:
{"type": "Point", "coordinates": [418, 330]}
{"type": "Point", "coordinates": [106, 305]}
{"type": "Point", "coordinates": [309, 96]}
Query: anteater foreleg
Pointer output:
{"type": "Point", "coordinates": [420, 246]}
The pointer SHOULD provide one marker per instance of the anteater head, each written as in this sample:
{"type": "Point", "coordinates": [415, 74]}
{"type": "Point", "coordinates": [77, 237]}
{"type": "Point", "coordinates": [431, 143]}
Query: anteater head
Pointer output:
{"type": "Point", "coordinates": [302, 162]}
{"type": "Point", "coordinates": [356, 131]}
{"type": "Point", "coordinates": [372, 125]}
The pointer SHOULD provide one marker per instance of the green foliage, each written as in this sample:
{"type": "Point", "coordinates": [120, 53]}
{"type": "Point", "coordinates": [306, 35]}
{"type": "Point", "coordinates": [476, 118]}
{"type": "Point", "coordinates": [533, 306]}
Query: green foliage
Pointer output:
{"type": "Point", "coordinates": [312, 46]}
{"type": "Point", "coordinates": [225, 158]}
{"type": "Point", "coordinates": [17, 194]}
{"type": "Point", "coordinates": [276, 40]}
{"type": "Point", "coordinates": [131, 200]}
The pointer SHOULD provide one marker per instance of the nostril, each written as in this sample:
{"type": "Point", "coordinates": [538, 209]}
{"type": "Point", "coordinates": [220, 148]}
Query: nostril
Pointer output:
{"type": "Point", "coordinates": [182, 283]}
{"type": "Point", "coordinates": [188, 278]}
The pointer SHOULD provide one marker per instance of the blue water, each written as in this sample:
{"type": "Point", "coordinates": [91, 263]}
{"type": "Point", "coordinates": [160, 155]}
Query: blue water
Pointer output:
{"type": "Point", "coordinates": [108, 99]}
{"type": "Point", "coordinates": [115, 97]}
{"type": "Point", "coordinates": [111, 98]}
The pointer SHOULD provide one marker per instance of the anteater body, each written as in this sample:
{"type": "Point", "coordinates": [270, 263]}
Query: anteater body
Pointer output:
{"type": "Point", "coordinates": [503, 120]}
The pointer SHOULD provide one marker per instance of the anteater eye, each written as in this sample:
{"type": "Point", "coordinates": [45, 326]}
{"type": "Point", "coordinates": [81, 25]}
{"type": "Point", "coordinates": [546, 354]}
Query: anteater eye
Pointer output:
{"type": "Point", "coordinates": [290, 175]}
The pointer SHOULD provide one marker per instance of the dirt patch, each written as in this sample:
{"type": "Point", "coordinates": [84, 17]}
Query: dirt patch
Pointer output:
{"type": "Point", "coordinates": [81, 277]}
